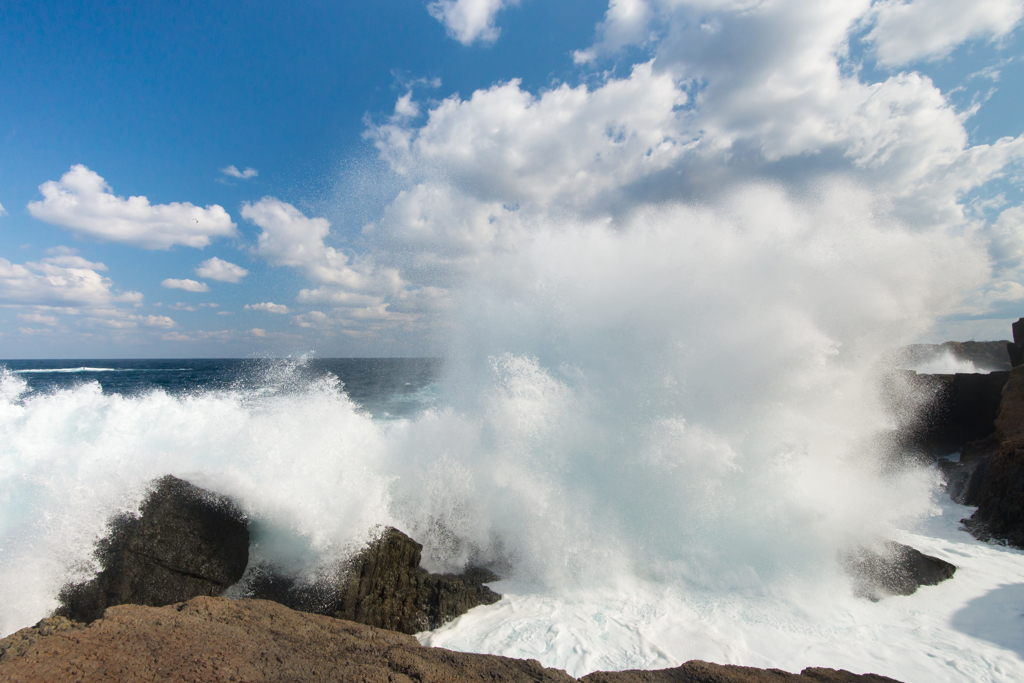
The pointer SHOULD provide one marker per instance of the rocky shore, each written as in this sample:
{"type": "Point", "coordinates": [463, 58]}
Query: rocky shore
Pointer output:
{"type": "Point", "coordinates": [152, 611]}
{"type": "Point", "coordinates": [208, 640]}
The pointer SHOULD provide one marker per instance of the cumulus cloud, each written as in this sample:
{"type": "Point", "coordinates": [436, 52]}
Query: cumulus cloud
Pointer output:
{"type": "Point", "coordinates": [61, 280]}
{"type": "Point", "coordinates": [81, 201]}
{"type": "Point", "coordinates": [905, 31]}
{"type": "Point", "coordinates": [39, 319]}
{"type": "Point", "coordinates": [269, 307]}
{"type": "Point", "coordinates": [289, 238]}
{"type": "Point", "coordinates": [732, 92]}
{"type": "Point", "coordinates": [235, 173]}
{"type": "Point", "coordinates": [220, 270]}
{"type": "Point", "coordinates": [187, 285]}
{"type": "Point", "coordinates": [158, 321]}
{"type": "Point", "coordinates": [469, 20]}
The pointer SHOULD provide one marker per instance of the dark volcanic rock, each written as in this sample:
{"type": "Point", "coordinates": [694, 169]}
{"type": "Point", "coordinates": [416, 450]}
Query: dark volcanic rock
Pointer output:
{"type": "Point", "coordinates": [185, 543]}
{"type": "Point", "coordinates": [207, 640]}
{"type": "Point", "coordinates": [896, 569]}
{"type": "Point", "coordinates": [384, 586]}
{"type": "Point", "coordinates": [997, 488]}
{"type": "Point", "coordinates": [696, 671]}
{"type": "Point", "coordinates": [938, 415]}
{"type": "Point", "coordinates": [1010, 421]}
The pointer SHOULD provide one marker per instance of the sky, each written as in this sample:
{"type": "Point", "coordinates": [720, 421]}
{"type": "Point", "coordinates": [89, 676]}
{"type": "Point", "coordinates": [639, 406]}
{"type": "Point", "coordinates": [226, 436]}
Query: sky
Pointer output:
{"type": "Point", "coordinates": [196, 179]}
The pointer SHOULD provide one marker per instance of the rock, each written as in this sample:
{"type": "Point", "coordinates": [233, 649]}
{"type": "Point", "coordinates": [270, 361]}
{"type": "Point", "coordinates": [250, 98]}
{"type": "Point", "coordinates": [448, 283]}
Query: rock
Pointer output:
{"type": "Point", "coordinates": [384, 586]}
{"type": "Point", "coordinates": [18, 643]}
{"type": "Point", "coordinates": [1010, 421]}
{"type": "Point", "coordinates": [895, 569]}
{"type": "Point", "coordinates": [1016, 347]}
{"type": "Point", "coordinates": [186, 542]}
{"type": "Point", "coordinates": [997, 488]}
{"type": "Point", "coordinates": [696, 671]}
{"type": "Point", "coordinates": [214, 639]}
{"type": "Point", "coordinates": [941, 414]}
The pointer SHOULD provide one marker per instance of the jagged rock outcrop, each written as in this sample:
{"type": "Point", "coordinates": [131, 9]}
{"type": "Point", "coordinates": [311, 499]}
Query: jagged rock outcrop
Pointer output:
{"type": "Point", "coordinates": [894, 569]}
{"type": "Point", "coordinates": [997, 489]}
{"type": "Point", "coordinates": [384, 586]}
{"type": "Point", "coordinates": [186, 542]}
{"type": "Point", "coordinates": [696, 671]}
{"type": "Point", "coordinates": [207, 640]}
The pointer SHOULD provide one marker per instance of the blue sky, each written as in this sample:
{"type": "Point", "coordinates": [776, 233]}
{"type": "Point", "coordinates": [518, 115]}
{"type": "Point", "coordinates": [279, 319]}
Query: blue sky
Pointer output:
{"type": "Point", "coordinates": [398, 148]}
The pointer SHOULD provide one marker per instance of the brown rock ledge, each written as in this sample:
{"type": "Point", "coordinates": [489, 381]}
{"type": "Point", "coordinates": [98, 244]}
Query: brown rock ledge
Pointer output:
{"type": "Point", "coordinates": [208, 640]}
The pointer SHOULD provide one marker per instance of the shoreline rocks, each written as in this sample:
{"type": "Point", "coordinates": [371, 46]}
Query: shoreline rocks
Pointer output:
{"type": "Point", "coordinates": [894, 569]}
{"type": "Point", "coordinates": [208, 639]}
{"type": "Point", "coordinates": [186, 542]}
{"type": "Point", "coordinates": [384, 586]}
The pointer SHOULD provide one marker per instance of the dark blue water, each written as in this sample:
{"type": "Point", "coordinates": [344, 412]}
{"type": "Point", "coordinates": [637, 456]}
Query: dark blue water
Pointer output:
{"type": "Point", "coordinates": [387, 388]}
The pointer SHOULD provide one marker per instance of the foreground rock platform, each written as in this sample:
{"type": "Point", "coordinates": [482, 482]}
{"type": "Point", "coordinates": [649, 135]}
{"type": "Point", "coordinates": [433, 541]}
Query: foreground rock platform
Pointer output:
{"type": "Point", "coordinates": [208, 639]}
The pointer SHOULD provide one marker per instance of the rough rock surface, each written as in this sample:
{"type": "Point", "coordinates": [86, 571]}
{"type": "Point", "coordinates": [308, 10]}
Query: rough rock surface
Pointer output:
{"type": "Point", "coordinates": [997, 488]}
{"type": "Point", "coordinates": [207, 640]}
{"type": "Point", "coordinates": [895, 569]}
{"type": "Point", "coordinates": [696, 671]}
{"type": "Point", "coordinates": [384, 586]}
{"type": "Point", "coordinates": [186, 542]}
{"type": "Point", "coordinates": [1010, 422]}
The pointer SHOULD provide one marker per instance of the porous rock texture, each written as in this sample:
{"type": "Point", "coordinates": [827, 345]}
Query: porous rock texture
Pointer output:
{"type": "Point", "coordinates": [997, 488]}
{"type": "Point", "coordinates": [384, 586]}
{"type": "Point", "coordinates": [696, 671]}
{"type": "Point", "coordinates": [894, 569]}
{"type": "Point", "coordinates": [186, 542]}
{"type": "Point", "coordinates": [208, 640]}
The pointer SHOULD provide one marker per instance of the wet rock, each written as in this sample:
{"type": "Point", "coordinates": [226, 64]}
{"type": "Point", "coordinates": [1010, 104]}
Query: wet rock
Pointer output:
{"type": "Point", "coordinates": [214, 639]}
{"type": "Point", "coordinates": [696, 671]}
{"type": "Point", "coordinates": [383, 586]}
{"type": "Point", "coordinates": [1010, 421]}
{"type": "Point", "coordinates": [894, 569]}
{"type": "Point", "coordinates": [186, 542]}
{"type": "Point", "coordinates": [997, 488]}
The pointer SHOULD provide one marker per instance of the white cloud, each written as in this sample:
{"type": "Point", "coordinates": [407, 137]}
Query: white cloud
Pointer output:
{"type": "Point", "coordinates": [269, 307]}
{"type": "Point", "coordinates": [82, 202]}
{"type": "Point", "coordinates": [159, 321]}
{"type": "Point", "coordinates": [736, 92]}
{"type": "Point", "coordinates": [469, 20]}
{"type": "Point", "coordinates": [625, 24]}
{"type": "Point", "coordinates": [905, 31]}
{"type": "Point", "coordinates": [290, 238]}
{"type": "Point", "coordinates": [692, 121]}
{"type": "Point", "coordinates": [235, 173]}
{"type": "Point", "coordinates": [187, 285]}
{"type": "Point", "coordinates": [39, 318]}
{"type": "Point", "coordinates": [222, 271]}
{"type": "Point", "coordinates": [61, 280]}
{"type": "Point", "coordinates": [312, 319]}
{"type": "Point", "coordinates": [405, 107]}
{"type": "Point", "coordinates": [3, 211]}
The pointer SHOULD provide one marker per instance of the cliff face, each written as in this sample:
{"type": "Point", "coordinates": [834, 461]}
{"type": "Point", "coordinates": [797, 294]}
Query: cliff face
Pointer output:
{"type": "Point", "coordinates": [207, 640]}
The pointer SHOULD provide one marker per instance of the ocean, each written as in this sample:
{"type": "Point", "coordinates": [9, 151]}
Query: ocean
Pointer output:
{"type": "Point", "coordinates": [639, 516]}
